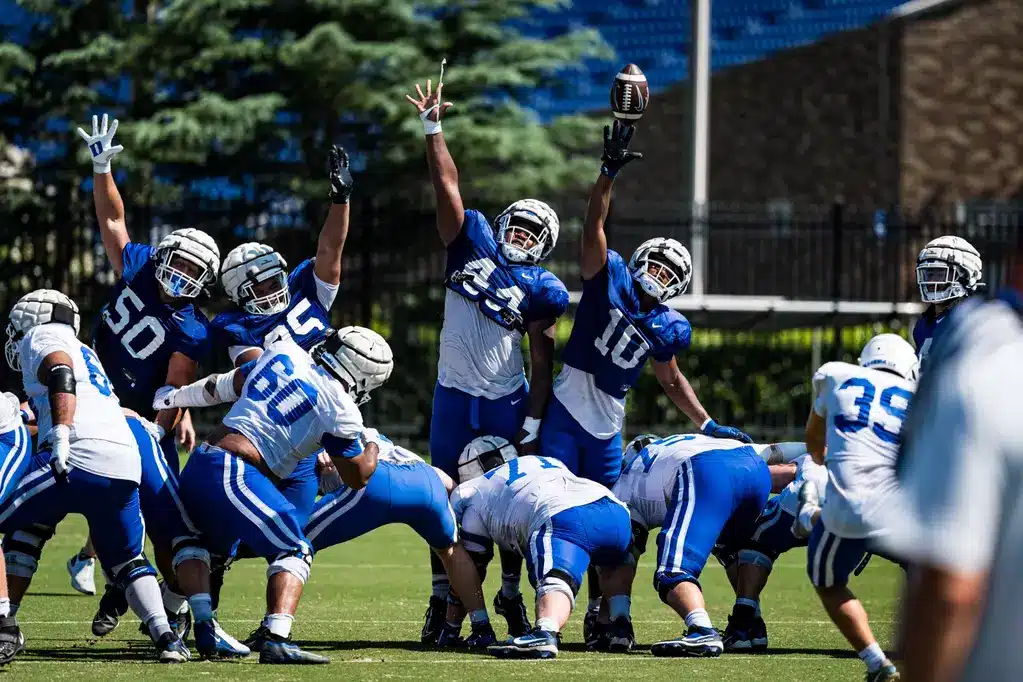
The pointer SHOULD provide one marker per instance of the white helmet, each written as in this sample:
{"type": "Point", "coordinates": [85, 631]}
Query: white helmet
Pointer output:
{"type": "Point", "coordinates": [533, 217]}
{"type": "Point", "coordinates": [42, 306]}
{"type": "Point", "coordinates": [893, 353]}
{"type": "Point", "coordinates": [672, 258]}
{"type": "Point", "coordinates": [357, 357]}
{"type": "Point", "coordinates": [483, 454]}
{"type": "Point", "coordinates": [245, 274]}
{"type": "Point", "coordinates": [947, 268]}
{"type": "Point", "coordinates": [187, 261]}
{"type": "Point", "coordinates": [636, 445]}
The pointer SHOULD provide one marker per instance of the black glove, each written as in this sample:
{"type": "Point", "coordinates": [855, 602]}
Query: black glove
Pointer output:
{"type": "Point", "coordinates": [616, 148]}
{"type": "Point", "coordinates": [341, 182]}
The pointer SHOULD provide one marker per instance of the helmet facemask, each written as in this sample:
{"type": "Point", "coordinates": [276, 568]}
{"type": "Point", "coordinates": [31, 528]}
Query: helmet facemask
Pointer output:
{"type": "Point", "coordinates": [940, 281]}
{"type": "Point", "coordinates": [12, 349]}
{"type": "Point", "coordinates": [527, 231]}
{"type": "Point", "coordinates": [267, 295]}
{"type": "Point", "coordinates": [658, 276]}
{"type": "Point", "coordinates": [182, 274]}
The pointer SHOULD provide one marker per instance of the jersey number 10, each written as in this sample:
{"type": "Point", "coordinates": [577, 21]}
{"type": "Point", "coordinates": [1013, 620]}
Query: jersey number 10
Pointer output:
{"type": "Point", "coordinates": [617, 351]}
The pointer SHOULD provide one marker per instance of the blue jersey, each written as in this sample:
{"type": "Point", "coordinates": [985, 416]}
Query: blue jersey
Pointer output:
{"type": "Point", "coordinates": [925, 329]}
{"type": "Point", "coordinates": [305, 320]}
{"type": "Point", "coordinates": [612, 338]}
{"type": "Point", "coordinates": [137, 333]}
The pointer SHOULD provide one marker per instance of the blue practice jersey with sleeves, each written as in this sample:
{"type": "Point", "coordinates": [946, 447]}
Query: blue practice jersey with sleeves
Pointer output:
{"type": "Point", "coordinates": [924, 330]}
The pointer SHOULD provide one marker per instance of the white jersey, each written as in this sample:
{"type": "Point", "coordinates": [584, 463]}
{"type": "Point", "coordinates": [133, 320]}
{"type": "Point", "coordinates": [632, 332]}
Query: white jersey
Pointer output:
{"type": "Point", "coordinates": [477, 355]}
{"type": "Point", "coordinates": [509, 503]}
{"type": "Point", "coordinates": [864, 410]}
{"type": "Point", "coordinates": [288, 403]}
{"type": "Point", "coordinates": [648, 480]}
{"type": "Point", "coordinates": [101, 441]}
{"type": "Point", "coordinates": [806, 470]}
{"type": "Point", "coordinates": [387, 451]}
{"type": "Point", "coordinates": [10, 412]}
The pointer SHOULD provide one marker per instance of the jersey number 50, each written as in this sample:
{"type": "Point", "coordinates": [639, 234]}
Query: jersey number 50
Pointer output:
{"type": "Point", "coordinates": [124, 317]}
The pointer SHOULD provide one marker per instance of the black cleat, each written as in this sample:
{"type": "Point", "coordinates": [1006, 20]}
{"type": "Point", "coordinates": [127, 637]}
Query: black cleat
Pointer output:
{"type": "Point", "coordinates": [257, 638]}
{"type": "Point", "coordinates": [620, 636]}
{"type": "Point", "coordinates": [12, 642]}
{"type": "Point", "coordinates": [180, 624]}
{"type": "Point", "coordinates": [481, 637]}
{"type": "Point", "coordinates": [282, 651]}
{"type": "Point", "coordinates": [170, 649]}
{"type": "Point", "coordinates": [434, 621]}
{"type": "Point", "coordinates": [514, 611]}
{"type": "Point", "coordinates": [112, 605]}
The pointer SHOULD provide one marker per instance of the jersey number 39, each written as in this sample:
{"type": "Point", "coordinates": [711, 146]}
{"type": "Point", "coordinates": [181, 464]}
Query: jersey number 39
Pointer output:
{"type": "Point", "coordinates": [865, 403]}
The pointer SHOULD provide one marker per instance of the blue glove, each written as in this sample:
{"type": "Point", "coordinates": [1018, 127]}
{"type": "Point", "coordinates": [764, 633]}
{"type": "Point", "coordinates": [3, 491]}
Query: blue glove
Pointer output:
{"type": "Point", "coordinates": [715, 430]}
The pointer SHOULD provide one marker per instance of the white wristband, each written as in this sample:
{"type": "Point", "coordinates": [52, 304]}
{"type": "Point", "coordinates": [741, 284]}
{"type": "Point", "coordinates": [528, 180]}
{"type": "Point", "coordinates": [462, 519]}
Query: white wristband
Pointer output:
{"type": "Point", "coordinates": [101, 168]}
{"type": "Point", "coordinates": [60, 440]}
{"type": "Point", "coordinates": [430, 127]}
{"type": "Point", "coordinates": [704, 424]}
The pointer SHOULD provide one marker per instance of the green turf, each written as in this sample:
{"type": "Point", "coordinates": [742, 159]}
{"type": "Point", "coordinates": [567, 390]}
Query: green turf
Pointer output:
{"type": "Point", "coordinates": [363, 608]}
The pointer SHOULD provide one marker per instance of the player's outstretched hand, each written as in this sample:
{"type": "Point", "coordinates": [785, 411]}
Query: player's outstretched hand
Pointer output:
{"type": "Point", "coordinates": [341, 183]}
{"type": "Point", "coordinates": [715, 430]}
{"type": "Point", "coordinates": [101, 144]}
{"type": "Point", "coordinates": [429, 106]}
{"type": "Point", "coordinates": [617, 138]}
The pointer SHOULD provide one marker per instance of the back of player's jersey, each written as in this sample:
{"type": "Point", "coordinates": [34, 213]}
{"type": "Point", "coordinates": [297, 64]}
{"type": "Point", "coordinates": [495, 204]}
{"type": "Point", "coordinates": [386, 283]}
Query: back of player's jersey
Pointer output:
{"type": "Point", "coordinates": [518, 497]}
{"type": "Point", "coordinates": [387, 451]}
{"type": "Point", "coordinates": [101, 441]}
{"type": "Point", "coordinates": [647, 483]}
{"type": "Point", "coordinates": [865, 410]}
{"type": "Point", "coordinates": [137, 333]}
{"type": "Point", "coordinates": [287, 404]}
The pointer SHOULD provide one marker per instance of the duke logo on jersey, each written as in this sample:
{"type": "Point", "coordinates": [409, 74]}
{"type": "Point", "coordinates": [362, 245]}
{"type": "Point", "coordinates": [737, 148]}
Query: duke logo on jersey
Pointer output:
{"type": "Point", "coordinates": [305, 320]}
{"type": "Point", "coordinates": [137, 333]}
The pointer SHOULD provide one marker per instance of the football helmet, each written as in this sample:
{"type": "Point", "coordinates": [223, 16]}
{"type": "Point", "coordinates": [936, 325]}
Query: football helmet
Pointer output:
{"type": "Point", "coordinates": [662, 267]}
{"type": "Point", "coordinates": [947, 268]}
{"type": "Point", "coordinates": [533, 217]}
{"type": "Point", "coordinates": [357, 357]}
{"type": "Point", "coordinates": [255, 277]}
{"type": "Point", "coordinates": [483, 454]}
{"type": "Point", "coordinates": [187, 261]}
{"type": "Point", "coordinates": [43, 306]}
{"type": "Point", "coordinates": [893, 353]}
{"type": "Point", "coordinates": [636, 445]}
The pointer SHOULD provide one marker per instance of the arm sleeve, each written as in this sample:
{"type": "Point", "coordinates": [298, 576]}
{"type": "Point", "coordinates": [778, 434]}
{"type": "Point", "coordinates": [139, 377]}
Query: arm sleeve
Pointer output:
{"type": "Point", "coordinates": [303, 279]}
{"type": "Point", "coordinates": [679, 336]}
{"type": "Point", "coordinates": [549, 300]}
{"type": "Point", "coordinates": [134, 256]}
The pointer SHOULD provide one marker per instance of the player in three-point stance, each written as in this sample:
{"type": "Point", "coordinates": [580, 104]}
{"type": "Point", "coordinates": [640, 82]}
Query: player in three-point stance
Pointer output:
{"type": "Point", "coordinates": [857, 420]}
{"type": "Point", "coordinates": [269, 304]}
{"type": "Point", "coordinates": [559, 522]}
{"type": "Point", "coordinates": [621, 321]}
{"type": "Point", "coordinates": [948, 270]}
{"type": "Point", "coordinates": [290, 405]}
{"type": "Point", "coordinates": [87, 461]}
{"type": "Point", "coordinates": [496, 293]}
{"type": "Point", "coordinates": [151, 333]}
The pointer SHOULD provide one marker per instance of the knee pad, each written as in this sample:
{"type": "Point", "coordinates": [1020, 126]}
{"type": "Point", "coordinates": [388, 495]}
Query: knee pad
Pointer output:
{"type": "Point", "coordinates": [666, 582]}
{"type": "Point", "coordinates": [189, 549]}
{"type": "Point", "coordinates": [130, 571]}
{"type": "Point", "coordinates": [297, 562]}
{"type": "Point", "coordinates": [640, 535]}
{"type": "Point", "coordinates": [23, 547]}
{"type": "Point", "coordinates": [558, 581]}
{"type": "Point", "coordinates": [752, 556]}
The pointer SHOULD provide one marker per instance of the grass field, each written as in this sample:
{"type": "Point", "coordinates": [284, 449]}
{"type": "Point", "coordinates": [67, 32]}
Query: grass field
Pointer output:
{"type": "Point", "coordinates": [363, 608]}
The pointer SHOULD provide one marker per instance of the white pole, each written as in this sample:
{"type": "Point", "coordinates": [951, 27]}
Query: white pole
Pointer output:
{"type": "Point", "coordinates": [699, 70]}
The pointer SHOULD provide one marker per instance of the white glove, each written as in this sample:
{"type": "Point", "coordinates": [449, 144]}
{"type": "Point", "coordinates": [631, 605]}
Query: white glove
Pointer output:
{"type": "Point", "coordinates": [60, 439]}
{"type": "Point", "coordinates": [803, 525]}
{"type": "Point", "coordinates": [100, 144]}
{"type": "Point", "coordinates": [531, 425]}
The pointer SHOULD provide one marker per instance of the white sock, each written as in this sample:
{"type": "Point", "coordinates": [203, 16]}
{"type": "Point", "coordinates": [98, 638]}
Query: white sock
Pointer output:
{"type": "Point", "coordinates": [172, 601]}
{"type": "Point", "coordinates": [279, 624]}
{"type": "Point", "coordinates": [479, 616]}
{"type": "Point", "coordinates": [202, 607]}
{"type": "Point", "coordinates": [510, 585]}
{"type": "Point", "coordinates": [698, 618]}
{"type": "Point", "coordinates": [548, 624]}
{"type": "Point", "coordinates": [5, 607]}
{"type": "Point", "coordinates": [873, 656]}
{"type": "Point", "coordinates": [144, 599]}
{"type": "Point", "coordinates": [619, 605]}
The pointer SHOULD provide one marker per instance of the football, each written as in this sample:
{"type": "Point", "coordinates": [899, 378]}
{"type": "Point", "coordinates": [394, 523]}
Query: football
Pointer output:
{"type": "Point", "coordinates": [630, 93]}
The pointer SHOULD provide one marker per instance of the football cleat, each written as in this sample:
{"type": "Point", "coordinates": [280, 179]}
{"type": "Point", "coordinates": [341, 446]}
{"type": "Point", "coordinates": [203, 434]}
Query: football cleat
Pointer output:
{"type": "Point", "coordinates": [886, 673]}
{"type": "Point", "coordinates": [180, 624]}
{"type": "Point", "coordinates": [481, 637]}
{"type": "Point", "coordinates": [112, 605]}
{"type": "Point", "coordinates": [256, 638]}
{"type": "Point", "coordinates": [700, 642]}
{"type": "Point", "coordinates": [82, 569]}
{"type": "Point", "coordinates": [12, 642]}
{"type": "Point", "coordinates": [279, 650]}
{"type": "Point", "coordinates": [620, 636]}
{"type": "Point", "coordinates": [758, 635]}
{"type": "Point", "coordinates": [536, 643]}
{"type": "Point", "coordinates": [514, 611]}
{"type": "Point", "coordinates": [736, 638]}
{"type": "Point", "coordinates": [212, 642]}
{"type": "Point", "coordinates": [450, 636]}
{"type": "Point", "coordinates": [590, 623]}
{"type": "Point", "coordinates": [434, 621]}
{"type": "Point", "coordinates": [170, 649]}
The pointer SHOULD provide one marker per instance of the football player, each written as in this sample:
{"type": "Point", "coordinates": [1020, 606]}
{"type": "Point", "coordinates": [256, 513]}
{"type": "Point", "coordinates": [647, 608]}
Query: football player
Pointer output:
{"type": "Point", "coordinates": [15, 459]}
{"type": "Point", "coordinates": [622, 320]}
{"type": "Point", "coordinates": [537, 508]}
{"type": "Point", "coordinates": [290, 405]}
{"type": "Point", "coordinates": [151, 333]}
{"type": "Point", "coordinates": [497, 293]}
{"type": "Point", "coordinates": [705, 494]}
{"type": "Point", "coordinates": [87, 461]}
{"type": "Point", "coordinates": [857, 417]}
{"type": "Point", "coordinates": [271, 304]}
{"type": "Point", "coordinates": [948, 270]}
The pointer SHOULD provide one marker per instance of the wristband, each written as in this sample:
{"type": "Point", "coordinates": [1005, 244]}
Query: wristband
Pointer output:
{"type": "Point", "coordinates": [704, 425]}
{"type": "Point", "coordinates": [531, 425]}
{"type": "Point", "coordinates": [430, 127]}
{"type": "Point", "coordinates": [101, 168]}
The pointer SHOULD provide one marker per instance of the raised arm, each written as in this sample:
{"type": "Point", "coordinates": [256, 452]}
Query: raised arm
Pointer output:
{"type": "Point", "coordinates": [616, 156]}
{"type": "Point", "coordinates": [681, 392]}
{"type": "Point", "coordinates": [109, 206]}
{"type": "Point", "coordinates": [57, 374]}
{"type": "Point", "coordinates": [443, 173]}
{"type": "Point", "coordinates": [335, 228]}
